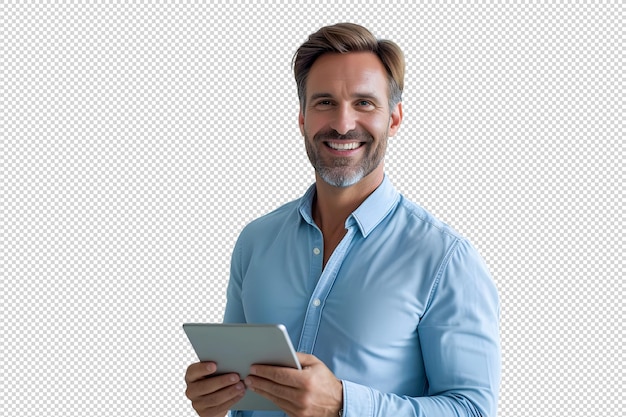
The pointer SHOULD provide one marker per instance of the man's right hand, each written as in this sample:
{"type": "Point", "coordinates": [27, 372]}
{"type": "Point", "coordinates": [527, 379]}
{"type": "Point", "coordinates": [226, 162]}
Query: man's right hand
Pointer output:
{"type": "Point", "coordinates": [212, 396]}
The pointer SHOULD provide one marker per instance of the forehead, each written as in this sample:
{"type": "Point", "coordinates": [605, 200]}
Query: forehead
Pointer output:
{"type": "Point", "coordinates": [352, 73]}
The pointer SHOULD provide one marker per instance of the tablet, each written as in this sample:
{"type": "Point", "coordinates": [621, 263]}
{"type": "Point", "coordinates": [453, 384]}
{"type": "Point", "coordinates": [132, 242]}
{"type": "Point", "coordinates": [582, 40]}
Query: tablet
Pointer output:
{"type": "Point", "coordinates": [235, 347]}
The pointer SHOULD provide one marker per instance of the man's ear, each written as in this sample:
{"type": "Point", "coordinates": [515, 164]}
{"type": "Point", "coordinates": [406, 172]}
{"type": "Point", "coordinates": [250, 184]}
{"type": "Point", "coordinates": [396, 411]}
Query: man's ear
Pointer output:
{"type": "Point", "coordinates": [395, 119]}
{"type": "Point", "coordinates": [301, 122]}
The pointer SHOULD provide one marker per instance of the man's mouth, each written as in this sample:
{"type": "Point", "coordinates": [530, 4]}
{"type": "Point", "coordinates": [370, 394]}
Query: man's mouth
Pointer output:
{"type": "Point", "coordinates": [343, 146]}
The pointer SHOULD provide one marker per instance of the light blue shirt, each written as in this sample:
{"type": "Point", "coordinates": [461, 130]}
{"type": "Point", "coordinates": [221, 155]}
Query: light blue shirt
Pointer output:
{"type": "Point", "coordinates": [405, 312]}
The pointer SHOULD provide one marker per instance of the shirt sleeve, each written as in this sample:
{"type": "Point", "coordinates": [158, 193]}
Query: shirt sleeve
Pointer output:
{"type": "Point", "coordinates": [459, 334]}
{"type": "Point", "coordinates": [234, 312]}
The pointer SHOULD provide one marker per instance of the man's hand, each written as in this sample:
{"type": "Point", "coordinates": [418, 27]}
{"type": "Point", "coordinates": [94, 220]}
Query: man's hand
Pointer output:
{"type": "Point", "coordinates": [313, 391]}
{"type": "Point", "coordinates": [212, 396]}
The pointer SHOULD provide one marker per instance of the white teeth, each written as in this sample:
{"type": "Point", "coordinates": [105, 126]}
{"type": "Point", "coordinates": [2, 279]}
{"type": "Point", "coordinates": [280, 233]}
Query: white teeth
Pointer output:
{"type": "Point", "coordinates": [344, 146]}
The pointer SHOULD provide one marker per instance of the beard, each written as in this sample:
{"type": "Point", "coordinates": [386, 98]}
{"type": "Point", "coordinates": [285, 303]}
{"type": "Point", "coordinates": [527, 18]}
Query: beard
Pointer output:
{"type": "Point", "coordinates": [346, 171]}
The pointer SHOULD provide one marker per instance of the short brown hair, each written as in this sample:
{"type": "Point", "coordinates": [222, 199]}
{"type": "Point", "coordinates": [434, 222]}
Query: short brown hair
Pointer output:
{"type": "Point", "coordinates": [344, 38]}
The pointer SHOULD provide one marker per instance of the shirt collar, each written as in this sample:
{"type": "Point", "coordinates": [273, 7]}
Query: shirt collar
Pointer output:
{"type": "Point", "coordinates": [368, 215]}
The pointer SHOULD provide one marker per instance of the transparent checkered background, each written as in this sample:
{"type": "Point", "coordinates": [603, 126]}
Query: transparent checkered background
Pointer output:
{"type": "Point", "coordinates": [138, 139]}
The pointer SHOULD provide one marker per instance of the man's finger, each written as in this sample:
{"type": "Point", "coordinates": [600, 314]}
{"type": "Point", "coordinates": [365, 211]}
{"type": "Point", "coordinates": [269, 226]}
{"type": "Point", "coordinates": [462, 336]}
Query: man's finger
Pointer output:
{"type": "Point", "coordinates": [220, 399]}
{"type": "Point", "coordinates": [277, 393]}
{"type": "Point", "coordinates": [285, 376]}
{"type": "Point", "coordinates": [207, 386]}
{"type": "Point", "coordinates": [224, 395]}
{"type": "Point", "coordinates": [199, 371]}
{"type": "Point", "coordinates": [277, 374]}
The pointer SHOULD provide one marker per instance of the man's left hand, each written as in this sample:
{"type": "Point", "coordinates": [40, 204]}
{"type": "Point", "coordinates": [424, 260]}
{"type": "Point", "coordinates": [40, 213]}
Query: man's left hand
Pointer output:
{"type": "Point", "coordinates": [313, 391]}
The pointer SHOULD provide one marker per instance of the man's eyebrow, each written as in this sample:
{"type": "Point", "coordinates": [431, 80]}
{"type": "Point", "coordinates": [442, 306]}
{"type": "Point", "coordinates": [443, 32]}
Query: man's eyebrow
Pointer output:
{"type": "Point", "coordinates": [320, 95]}
{"type": "Point", "coordinates": [370, 96]}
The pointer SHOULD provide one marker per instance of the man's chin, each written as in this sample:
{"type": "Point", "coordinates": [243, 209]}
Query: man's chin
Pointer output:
{"type": "Point", "coordinates": [341, 181]}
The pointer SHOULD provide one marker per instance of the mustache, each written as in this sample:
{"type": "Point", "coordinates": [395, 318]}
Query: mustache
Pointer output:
{"type": "Point", "coordinates": [332, 134]}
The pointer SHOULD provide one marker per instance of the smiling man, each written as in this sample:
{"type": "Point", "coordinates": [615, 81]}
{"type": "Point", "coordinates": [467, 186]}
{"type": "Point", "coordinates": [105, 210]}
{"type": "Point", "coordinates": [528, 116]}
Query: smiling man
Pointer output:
{"type": "Point", "coordinates": [392, 311]}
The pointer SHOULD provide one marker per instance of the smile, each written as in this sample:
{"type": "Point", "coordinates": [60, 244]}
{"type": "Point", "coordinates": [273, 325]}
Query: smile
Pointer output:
{"type": "Point", "coordinates": [343, 146]}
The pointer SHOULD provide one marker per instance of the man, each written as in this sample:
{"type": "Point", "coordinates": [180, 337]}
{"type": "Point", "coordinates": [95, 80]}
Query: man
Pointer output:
{"type": "Point", "coordinates": [393, 313]}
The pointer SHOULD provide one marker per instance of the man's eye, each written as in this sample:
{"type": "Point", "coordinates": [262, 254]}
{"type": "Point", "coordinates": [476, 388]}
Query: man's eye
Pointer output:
{"type": "Point", "coordinates": [364, 103]}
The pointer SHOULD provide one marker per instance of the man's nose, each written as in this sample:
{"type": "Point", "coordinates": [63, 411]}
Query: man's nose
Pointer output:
{"type": "Point", "coordinates": [344, 120]}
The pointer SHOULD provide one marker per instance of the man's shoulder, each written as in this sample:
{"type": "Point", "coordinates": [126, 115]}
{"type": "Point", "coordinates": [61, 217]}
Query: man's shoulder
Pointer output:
{"type": "Point", "coordinates": [275, 218]}
{"type": "Point", "coordinates": [418, 217]}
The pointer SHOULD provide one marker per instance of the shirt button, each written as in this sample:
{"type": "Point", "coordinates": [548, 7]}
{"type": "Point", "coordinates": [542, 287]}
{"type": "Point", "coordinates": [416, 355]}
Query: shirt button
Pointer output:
{"type": "Point", "coordinates": [317, 302]}
{"type": "Point", "coordinates": [316, 251]}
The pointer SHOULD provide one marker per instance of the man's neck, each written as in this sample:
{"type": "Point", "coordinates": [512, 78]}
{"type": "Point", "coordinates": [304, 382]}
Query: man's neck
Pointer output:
{"type": "Point", "coordinates": [333, 205]}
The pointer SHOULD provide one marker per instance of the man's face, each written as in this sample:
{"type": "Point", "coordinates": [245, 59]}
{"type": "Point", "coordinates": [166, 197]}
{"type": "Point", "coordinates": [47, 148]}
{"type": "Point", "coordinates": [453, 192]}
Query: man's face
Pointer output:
{"type": "Point", "coordinates": [347, 120]}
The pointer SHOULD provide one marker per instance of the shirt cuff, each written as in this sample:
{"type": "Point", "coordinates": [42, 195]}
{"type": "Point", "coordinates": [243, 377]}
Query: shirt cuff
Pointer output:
{"type": "Point", "coordinates": [357, 400]}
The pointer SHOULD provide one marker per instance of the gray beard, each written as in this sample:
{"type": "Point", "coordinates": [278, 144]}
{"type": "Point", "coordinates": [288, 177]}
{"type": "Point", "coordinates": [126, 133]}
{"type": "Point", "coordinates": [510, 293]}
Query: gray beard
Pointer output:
{"type": "Point", "coordinates": [341, 179]}
{"type": "Point", "coordinates": [340, 174]}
